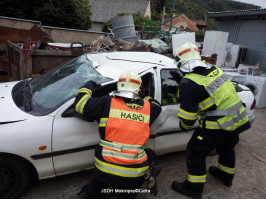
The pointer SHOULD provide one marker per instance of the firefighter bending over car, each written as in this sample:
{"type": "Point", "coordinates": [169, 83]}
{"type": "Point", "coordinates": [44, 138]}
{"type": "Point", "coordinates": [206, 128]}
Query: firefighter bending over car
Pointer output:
{"type": "Point", "coordinates": [205, 92]}
{"type": "Point", "coordinates": [124, 120]}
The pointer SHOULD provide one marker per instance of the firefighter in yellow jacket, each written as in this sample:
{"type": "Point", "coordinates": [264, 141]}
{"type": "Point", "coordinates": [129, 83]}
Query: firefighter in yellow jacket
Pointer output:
{"type": "Point", "coordinates": [206, 94]}
{"type": "Point", "coordinates": [124, 119]}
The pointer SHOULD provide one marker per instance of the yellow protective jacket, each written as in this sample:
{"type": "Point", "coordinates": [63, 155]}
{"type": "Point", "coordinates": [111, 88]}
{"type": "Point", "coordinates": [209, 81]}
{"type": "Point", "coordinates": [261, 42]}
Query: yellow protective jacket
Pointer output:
{"type": "Point", "coordinates": [210, 95]}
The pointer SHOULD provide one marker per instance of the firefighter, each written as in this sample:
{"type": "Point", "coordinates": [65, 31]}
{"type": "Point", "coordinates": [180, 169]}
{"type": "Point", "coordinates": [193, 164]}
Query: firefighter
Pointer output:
{"type": "Point", "coordinates": [124, 119]}
{"type": "Point", "coordinates": [206, 93]}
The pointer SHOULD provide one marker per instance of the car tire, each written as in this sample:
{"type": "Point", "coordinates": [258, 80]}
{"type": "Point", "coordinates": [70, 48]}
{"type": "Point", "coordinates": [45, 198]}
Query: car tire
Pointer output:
{"type": "Point", "coordinates": [15, 176]}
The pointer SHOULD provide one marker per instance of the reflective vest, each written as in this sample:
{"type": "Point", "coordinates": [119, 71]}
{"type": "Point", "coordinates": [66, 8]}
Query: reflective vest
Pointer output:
{"type": "Point", "coordinates": [127, 130]}
{"type": "Point", "coordinates": [223, 95]}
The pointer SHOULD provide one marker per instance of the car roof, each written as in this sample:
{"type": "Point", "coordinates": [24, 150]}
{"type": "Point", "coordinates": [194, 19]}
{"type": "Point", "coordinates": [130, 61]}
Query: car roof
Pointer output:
{"type": "Point", "coordinates": [112, 64]}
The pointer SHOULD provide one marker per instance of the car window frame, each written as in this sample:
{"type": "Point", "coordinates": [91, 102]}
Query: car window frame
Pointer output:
{"type": "Point", "coordinates": [151, 87]}
{"type": "Point", "coordinates": [161, 78]}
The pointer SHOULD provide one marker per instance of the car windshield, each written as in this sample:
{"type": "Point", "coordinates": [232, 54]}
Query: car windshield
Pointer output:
{"type": "Point", "coordinates": [55, 87]}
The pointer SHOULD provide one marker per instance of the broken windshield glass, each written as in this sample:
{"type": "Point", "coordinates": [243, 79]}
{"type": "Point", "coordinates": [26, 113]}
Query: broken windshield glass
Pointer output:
{"type": "Point", "coordinates": [58, 85]}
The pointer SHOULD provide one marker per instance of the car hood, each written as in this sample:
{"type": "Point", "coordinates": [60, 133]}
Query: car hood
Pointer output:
{"type": "Point", "coordinates": [112, 64]}
{"type": "Point", "coordinates": [9, 112]}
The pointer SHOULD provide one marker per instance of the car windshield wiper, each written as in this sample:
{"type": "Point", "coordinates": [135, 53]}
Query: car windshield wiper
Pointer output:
{"type": "Point", "coordinates": [27, 94]}
{"type": "Point", "coordinates": [22, 87]}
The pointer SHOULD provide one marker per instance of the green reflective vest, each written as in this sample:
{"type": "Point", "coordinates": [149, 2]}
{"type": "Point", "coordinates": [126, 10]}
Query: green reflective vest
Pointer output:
{"type": "Point", "coordinates": [229, 104]}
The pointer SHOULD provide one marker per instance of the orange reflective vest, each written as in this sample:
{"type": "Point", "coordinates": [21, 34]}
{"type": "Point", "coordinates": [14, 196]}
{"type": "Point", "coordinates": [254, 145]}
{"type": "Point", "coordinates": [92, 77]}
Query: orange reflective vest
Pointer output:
{"type": "Point", "coordinates": [127, 130]}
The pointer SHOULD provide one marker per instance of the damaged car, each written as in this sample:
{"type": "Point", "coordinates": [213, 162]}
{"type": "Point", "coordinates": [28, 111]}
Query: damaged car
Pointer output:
{"type": "Point", "coordinates": [42, 135]}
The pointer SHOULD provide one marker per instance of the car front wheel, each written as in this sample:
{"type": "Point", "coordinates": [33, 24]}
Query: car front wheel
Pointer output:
{"type": "Point", "coordinates": [15, 175]}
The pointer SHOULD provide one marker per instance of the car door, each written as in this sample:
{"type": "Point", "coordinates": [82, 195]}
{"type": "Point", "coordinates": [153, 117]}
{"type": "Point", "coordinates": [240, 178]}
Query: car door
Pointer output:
{"type": "Point", "coordinates": [73, 140]}
{"type": "Point", "coordinates": [149, 88]}
{"type": "Point", "coordinates": [168, 135]}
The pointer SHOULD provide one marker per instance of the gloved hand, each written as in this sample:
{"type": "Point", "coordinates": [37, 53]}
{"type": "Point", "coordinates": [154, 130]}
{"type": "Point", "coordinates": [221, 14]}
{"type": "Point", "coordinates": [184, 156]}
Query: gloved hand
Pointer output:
{"type": "Point", "coordinates": [150, 177]}
{"type": "Point", "coordinates": [148, 98]}
{"type": "Point", "coordinates": [177, 76]}
{"type": "Point", "coordinates": [104, 90]}
{"type": "Point", "coordinates": [152, 185]}
{"type": "Point", "coordinates": [92, 85]}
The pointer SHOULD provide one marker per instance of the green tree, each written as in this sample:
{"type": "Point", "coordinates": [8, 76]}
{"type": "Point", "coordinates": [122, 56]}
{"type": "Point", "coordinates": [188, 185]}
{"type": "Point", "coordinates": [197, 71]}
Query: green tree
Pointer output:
{"type": "Point", "coordinates": [158, 16]}
{"type": "Point", "coordinates": [67, 13]}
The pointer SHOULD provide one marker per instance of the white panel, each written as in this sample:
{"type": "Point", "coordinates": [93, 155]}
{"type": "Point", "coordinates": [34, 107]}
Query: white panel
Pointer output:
{"type": "Point", "coordinates": [261, 95]}
{"type": "Point", "coordinates": [182, 38]}
{"type": "Point", "coordinates": [215, 43]}
{"type": "Point", "coordinates": [231, 55]}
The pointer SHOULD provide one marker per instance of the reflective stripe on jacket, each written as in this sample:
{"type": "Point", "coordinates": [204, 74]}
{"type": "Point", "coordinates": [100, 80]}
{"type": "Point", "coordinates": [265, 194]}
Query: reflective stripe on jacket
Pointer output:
{"type": "Point", "coordinates": [127, 130]}
{"type": "Point", "coordinates": [119, 170]}
{"type": "Point", "coordinates": [222, 93]}
{"type": "Point", "coordinates": [80, 105]}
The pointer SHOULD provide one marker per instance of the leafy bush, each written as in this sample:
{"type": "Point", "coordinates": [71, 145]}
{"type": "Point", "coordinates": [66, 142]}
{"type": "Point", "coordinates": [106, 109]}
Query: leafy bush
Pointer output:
{"type": "Point", "coordinates": [66, 14]}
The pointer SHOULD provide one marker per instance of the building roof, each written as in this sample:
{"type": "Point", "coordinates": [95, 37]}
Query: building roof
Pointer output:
{"type": "Point", "coordinates": [166, 20]}
{"type": "Point", "coordinates": [179, 19]}
{"type": "Point", "coordinates": [199, 22]}
{"type": "Point", "coordinates": [236, 13]}
{"type": "Point", "coordinates": [103, 10]}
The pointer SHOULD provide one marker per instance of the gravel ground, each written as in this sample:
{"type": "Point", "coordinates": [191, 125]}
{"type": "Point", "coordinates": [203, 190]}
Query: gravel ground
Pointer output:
{"type": "Point", "coordinates": [249, 182]}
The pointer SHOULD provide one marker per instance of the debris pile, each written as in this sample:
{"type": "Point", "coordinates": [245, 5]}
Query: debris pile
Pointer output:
{"type": "Point", "coordinates": [123, 36]}
{"type": "Point", "coordinates": [108, 43]}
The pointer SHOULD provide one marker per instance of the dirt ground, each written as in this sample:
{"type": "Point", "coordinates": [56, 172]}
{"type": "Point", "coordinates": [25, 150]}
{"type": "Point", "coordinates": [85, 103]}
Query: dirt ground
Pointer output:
{"type": "Point", "coordinates": [249, 182]}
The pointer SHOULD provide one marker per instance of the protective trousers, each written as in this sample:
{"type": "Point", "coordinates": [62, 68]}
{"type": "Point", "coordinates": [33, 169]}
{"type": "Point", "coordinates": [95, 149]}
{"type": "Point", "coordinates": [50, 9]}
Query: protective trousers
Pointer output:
{"type": "Point", "coordinates": [97, 189]}
{"type": "Point", "coordinates": [200, 145]}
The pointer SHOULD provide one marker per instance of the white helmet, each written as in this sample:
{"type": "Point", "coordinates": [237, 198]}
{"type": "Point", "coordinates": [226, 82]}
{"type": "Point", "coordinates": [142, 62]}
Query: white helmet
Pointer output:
{"type": "Point", "coordinates": [188, 57]}
{"type": "Point", "coordinates": [128, 85]}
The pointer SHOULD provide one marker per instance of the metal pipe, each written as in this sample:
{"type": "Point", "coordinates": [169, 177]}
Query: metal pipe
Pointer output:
{"type": "Point", "coordinates": [173, 12]}
{"type": "Point", "coordinates": [206, 22]}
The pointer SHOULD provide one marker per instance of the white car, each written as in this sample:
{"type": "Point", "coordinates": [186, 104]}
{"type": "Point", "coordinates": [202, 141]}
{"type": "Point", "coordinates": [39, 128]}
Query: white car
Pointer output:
{"type": "Point", "coordinates": [41, 134]}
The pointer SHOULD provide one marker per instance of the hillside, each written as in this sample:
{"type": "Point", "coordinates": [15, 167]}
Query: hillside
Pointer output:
{"type": "Point", "coordinates": [197, 9]}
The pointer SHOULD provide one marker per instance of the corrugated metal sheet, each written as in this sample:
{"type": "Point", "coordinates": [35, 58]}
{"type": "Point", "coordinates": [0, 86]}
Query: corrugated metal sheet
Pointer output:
{"type": "Point", "coordinates": [260, 11]}
{"type": "Point", "coordinates": [232, 27]}
{"type": "Point", "coordinates": [251, 33]}
{"type": "Point", "coordinates": [256, 55]}
{"type": "Point", "coordinates": [247, 27]}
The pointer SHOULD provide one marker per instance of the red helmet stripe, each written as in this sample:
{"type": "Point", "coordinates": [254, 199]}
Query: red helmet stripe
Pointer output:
{"type": "Point", "coordinates": [196, 49]}
{"type": "Point", "coordinates": [134, 81]}
{"type": "Point", "coordinates": [122, 80]}
{"type": "Point", "coordinates": [184, 52]}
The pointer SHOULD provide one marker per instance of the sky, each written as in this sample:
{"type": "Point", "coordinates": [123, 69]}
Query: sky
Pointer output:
{"type": "Point", "coordinates": [261, 3]}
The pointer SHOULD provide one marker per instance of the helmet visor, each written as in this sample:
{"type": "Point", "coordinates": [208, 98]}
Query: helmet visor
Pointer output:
{"type": "Point", "coordinates": [177, 59]}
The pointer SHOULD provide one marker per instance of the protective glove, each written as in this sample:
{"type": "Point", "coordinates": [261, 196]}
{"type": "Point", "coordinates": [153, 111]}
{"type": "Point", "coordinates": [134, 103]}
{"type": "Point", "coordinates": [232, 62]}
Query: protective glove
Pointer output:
{"type": "Point", "coordinates": [177, 76]}
{"type": "Point", "coordinates": [152, 185]}
{"type": "Point", "coordinates": [92, 85]}
{"type": "Point", "coordinates": [104, 90]}
{"type": "Point", "coordinates": [150, 177]}
{"type": "Point", "coordinates": [148, 98]}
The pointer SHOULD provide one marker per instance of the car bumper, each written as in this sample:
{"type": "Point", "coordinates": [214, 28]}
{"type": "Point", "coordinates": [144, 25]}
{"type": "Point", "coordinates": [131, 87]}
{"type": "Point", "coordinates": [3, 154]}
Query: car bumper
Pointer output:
{"type": "Point", "coordinates": [251, 119]}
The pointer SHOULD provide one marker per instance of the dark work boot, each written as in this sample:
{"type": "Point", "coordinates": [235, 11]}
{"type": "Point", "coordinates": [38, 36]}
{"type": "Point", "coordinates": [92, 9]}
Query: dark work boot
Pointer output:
{"type": "Point", "coordinates": [227, 179]}
{"type": "Point", "coordinates": [82, 195]}
{"type": "Point", "coordinates": [183, 189]}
